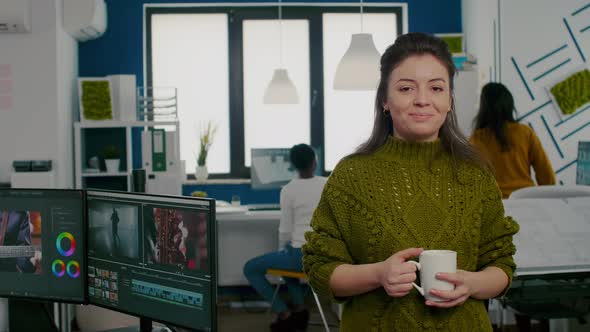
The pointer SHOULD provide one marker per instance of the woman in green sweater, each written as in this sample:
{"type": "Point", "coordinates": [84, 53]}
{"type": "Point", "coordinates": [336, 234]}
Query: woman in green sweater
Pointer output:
{"type": "Point", "coordinates": [415, 184]}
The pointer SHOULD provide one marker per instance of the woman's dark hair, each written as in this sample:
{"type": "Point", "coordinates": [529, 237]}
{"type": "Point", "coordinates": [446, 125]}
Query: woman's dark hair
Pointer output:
{"type": "Point", "coordinates": [405, 46]}
{"type": "Point", "coordinates": [496, 107]}
{"type": "Point", "coordinates": [302, 157]}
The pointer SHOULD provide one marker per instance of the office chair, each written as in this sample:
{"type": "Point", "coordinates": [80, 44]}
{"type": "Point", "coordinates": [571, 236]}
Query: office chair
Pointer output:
{"type": "Point", "coordinates": [303, 277]}
{"type": "Point", "coordinates": [555, 191]}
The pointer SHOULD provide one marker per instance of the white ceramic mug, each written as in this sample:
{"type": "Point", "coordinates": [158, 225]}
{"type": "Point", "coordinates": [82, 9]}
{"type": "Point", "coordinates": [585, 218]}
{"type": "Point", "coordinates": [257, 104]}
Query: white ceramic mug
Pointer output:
{"type": "Point", "coordinates": [431, 263]}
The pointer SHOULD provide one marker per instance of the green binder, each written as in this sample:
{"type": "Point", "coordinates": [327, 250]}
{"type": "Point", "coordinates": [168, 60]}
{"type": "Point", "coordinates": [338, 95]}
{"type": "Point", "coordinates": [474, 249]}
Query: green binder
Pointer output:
{"type": "Point", "coordinates": [158, 150]}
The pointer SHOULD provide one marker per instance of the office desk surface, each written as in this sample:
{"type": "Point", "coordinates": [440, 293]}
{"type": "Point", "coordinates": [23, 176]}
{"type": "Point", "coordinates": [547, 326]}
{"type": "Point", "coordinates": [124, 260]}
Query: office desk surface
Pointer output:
{"type": "Point", "coordinates": [242, 235]}
{"type": "Point", "coordinates": [553, 236]}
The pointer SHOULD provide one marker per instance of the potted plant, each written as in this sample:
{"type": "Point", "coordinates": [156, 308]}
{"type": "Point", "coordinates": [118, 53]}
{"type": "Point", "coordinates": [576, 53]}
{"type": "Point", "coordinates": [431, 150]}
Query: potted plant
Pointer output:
{"type": "Point", "coordinates": [205, 139]}
{"type": "Point", "coordinates": [112, 158]}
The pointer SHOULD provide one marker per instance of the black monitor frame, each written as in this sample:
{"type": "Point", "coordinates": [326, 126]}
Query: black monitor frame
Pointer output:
{"type": "Point", "coordinates": [212, 249]}
{"type": "Point", "coordinates": [84, 240]}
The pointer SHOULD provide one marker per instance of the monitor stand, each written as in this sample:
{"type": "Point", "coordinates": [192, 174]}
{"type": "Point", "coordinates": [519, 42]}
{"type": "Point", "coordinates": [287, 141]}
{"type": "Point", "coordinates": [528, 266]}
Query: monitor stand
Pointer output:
{"type": "Point", "coordinates": [145, 325]}
{"type": "Point", "coordinates": [3, 314]}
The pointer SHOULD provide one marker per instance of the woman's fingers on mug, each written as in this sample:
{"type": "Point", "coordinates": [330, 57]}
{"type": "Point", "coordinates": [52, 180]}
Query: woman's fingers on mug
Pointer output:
{"type": "Point", "coordinates": [454, 278]}
{"type": "Point", "coordinates": [460, 292]}
{"type": "Point", "coordinates": [447, 304]}
{"type": "Point", "coordinates": [408, 277]}
{"type": "Point", "coordinates": [409, 267]}
{"type": "Point", "coordinates": [404, 255]}
{"type": "Point", "coordinates": [398, 290]}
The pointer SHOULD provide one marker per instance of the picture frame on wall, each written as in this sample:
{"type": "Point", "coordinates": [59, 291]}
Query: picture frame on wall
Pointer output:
{"type": "Point", "coordinates": [455, 42]}
{"type": "Point", "coordinates": [569, 93]}
{"type": "Point", "coordinates": [95, 97]}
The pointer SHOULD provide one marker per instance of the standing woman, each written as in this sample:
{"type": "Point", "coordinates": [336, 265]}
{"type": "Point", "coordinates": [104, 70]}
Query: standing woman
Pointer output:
{"type": "Point", "coordinates": [510, 147]}
{"type": "Point", "coordinates": [415, 184]}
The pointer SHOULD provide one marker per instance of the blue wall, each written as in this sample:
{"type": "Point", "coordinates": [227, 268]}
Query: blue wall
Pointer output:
{"type": "Point", "coordinates": [120, 51]}
{"type": "Point", "coordinates": [226, 191]}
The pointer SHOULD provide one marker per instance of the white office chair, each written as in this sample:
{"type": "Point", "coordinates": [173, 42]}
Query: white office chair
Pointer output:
{"type": "Point", "coordinates": [555, 191]}
{"type": "Point", "coordinates": [547, 192]}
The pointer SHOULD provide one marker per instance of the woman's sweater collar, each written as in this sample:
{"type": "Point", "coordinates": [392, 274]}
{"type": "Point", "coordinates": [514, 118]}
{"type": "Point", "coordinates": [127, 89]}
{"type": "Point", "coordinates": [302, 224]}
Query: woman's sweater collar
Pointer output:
{"type": "Point", "coordinates": [414, 152]}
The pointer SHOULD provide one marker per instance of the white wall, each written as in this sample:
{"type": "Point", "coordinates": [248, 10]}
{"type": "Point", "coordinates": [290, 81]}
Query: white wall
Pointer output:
{"type": "Point", "coordinates": [44, 64]}
{"type": "Point", "coordinates": [480, 25]}
{"type": "Point", "coordinates": [528, 30]}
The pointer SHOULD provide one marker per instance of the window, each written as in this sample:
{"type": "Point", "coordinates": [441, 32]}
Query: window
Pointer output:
{"type": "Point", "coordinates": [265, 126]}
{"type": "Point", "coordinates": [190, 52]}
{"type": "Point", "coordinates": [222, 58]}
{"type": "Point", "coordinates": [348, 115]}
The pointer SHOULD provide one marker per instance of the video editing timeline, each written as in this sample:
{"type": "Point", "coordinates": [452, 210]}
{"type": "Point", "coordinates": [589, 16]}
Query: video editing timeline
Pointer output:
{"type": "Point", "coordinates": [159, 292]}
{"type": "Point", "coordinates": [148, 256]}
{"type": "Point", "coordinates": [45, 232]}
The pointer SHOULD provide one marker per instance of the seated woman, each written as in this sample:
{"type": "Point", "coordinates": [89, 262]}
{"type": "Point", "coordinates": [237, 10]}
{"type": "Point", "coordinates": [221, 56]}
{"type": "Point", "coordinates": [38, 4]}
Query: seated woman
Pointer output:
{"type": "Point", "coordinates": [299, 199]}
{"type": "Point", "coordinates": [512, 148]}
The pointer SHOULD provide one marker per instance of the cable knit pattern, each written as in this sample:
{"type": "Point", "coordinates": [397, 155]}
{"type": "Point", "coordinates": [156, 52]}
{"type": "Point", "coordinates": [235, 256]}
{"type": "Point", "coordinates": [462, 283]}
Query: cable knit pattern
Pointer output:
{"type": "Point", "coordinates": [402, 197]}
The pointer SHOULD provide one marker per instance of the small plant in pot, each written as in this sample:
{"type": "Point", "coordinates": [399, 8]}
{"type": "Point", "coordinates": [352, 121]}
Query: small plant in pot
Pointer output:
{"type": "Point", "coordinates": [112, 158]}
{"type": "Point", "coordinates": [205, 141]}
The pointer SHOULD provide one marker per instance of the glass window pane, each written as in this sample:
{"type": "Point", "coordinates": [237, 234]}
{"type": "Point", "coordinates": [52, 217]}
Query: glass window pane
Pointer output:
{"type": "Point", "coordinates": [348, 115]}
{"type": "Point", "coordinates": [190, 52]}
{"type": "Point", "coordinates": [275, 126]}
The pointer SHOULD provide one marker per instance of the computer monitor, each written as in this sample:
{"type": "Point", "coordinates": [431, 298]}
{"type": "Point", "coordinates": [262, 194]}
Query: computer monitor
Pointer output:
{"type": "Point", "coordinates": [153, 256]}
{"type": "Point", "coordinates": [583, 164]}
{"type": "Point", "coordinates": [43, 244]}
{"type": "Point", "coordinates": [271, 167]}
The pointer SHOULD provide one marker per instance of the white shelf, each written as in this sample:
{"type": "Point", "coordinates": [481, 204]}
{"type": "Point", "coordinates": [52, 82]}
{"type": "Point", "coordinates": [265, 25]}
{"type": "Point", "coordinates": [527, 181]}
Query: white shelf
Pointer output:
{"type": "Point", "coordinates": [123, 124]}
{"type": "Point", "coordinates": [104, 174]}
{"type": "Point", "coordinates": [110, 126]}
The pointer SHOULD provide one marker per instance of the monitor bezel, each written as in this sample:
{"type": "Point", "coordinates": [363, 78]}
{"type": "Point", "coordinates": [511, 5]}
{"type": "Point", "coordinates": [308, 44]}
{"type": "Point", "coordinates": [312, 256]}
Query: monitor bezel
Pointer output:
{"type": "Point", "coordinates": [84, 300]}
{"type": "Point", "coordinates": [211, 233]}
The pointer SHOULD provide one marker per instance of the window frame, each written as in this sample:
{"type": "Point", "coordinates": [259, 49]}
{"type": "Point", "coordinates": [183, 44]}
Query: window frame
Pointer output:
{"type": "Point", "coordinates": [266, 11]}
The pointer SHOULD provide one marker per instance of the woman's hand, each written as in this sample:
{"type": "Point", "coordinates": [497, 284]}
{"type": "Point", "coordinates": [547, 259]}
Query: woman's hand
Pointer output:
{"type": "Point", "coordinates": [463, 289]}
{"type": "Point", "coordinates": [396, 275]}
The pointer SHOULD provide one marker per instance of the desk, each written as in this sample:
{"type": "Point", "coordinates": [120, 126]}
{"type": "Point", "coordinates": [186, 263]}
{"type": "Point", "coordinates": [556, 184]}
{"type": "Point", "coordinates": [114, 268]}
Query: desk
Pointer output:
{"type": "Point", "coordinates": [553, 236]}
{"type": "Point", "coordinates": [242, 235]}
{"type": "Point", "coordinates": [552, 278]}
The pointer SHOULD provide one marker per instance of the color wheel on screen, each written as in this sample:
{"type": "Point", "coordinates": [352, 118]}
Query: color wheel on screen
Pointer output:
{"type": "Point", "coordinates": [58, 267]}
{"type": "Point", "coordinates": [63, 238]}
{"type": "Point", "coordinates": [73, 269]}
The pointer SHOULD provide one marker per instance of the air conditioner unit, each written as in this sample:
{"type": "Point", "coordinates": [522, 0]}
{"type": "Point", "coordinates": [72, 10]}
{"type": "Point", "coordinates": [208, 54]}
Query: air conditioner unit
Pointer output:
{"type": "Point", "coordinates": [85, 19]}
{"type": "Point", "coordinates": [15, 16]}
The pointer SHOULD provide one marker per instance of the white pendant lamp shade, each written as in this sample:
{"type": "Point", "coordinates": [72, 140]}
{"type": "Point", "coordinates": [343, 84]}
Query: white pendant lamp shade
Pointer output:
{"type": "Point", "coordinates": [281, 89]}
{"type": "Point", "coordinates": [359, 67]}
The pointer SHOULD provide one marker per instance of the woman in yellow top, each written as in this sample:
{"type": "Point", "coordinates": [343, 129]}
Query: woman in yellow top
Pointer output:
{"type": "Point", "coordinates": [510, 147]}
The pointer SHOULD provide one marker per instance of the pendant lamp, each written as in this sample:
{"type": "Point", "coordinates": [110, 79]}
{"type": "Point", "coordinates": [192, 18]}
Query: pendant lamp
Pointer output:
{"type": "Point", "coordinates": [359, 67]}
{"type": "Point", "coordinates": [281, 89]}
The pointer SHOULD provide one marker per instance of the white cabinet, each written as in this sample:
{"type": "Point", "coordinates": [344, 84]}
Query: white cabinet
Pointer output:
{"type": "Point", "coordinates": [90, 138]}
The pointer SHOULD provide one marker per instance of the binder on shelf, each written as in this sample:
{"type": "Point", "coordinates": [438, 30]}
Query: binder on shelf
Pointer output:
{"type": "Point", "coordinates": [158, 150]}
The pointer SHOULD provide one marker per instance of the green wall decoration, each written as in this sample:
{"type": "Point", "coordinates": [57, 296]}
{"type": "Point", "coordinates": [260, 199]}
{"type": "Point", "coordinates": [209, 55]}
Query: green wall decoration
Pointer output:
{"type": "Point", "coordinates": [95, 99]}
{"type": "Point", "coordinates": [573, 92]}
{"type": "Point", "coordinates": [454, 41]}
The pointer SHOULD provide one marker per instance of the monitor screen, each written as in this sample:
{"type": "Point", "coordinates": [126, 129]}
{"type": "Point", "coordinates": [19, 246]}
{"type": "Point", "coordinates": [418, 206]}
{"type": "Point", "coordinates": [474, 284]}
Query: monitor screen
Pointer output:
{"type": "Point", "coordinates": [271, 167]}
{"type": "Point", "coordinates": [583, 164]}
{"type": "Point", "coordinates": [43, 244]}
{"type": "Point", "coordinates": [153, 256]}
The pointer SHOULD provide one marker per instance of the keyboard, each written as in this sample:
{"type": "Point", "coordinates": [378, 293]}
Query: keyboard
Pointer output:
{"type": "Point", "coordinates": [264, 207]}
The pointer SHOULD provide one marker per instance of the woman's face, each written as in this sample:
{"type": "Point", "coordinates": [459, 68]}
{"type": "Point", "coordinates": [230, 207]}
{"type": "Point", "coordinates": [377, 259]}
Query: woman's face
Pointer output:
{"type": "Point", "coordinates": [418, 98]}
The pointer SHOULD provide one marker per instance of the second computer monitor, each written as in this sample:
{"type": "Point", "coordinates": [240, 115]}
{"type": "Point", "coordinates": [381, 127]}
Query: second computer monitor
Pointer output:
{"type": "Point", "coordinates": [153, 256]}
{"type": "Point", "coordinates": [43, 244]}
{"type": "Point", "coordinates": [271, 167]}
{"type": "Point", "coordinates": [583, 164]}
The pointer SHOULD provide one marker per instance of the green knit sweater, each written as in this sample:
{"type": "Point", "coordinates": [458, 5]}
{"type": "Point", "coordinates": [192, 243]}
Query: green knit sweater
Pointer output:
{"type": "Point", "coordinates": [397, 198]}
